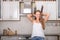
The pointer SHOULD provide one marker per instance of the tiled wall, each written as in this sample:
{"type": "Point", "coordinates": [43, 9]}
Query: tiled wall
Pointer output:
{"type": "Point", "coordinates": [24, 26]}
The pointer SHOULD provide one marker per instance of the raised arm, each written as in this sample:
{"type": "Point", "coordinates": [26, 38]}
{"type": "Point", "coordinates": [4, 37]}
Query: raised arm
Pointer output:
{"type": "Point", "coordinates": [46, 16]}
{"type": "Point", "coordinates": [30, 17]}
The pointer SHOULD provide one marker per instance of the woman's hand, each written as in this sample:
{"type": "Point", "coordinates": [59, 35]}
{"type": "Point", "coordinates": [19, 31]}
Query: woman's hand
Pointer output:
{"type": "Point", "coordinates": [30, 17]}
{"type": "Point", "coordinates": [46, 16]}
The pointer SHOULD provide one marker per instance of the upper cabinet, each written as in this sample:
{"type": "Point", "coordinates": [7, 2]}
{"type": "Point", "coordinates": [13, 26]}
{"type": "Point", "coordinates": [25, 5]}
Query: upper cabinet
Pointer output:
{"type": "Point", "coordinates": [10, 10]}
{"type": "Point", "coordinates": [58, 9]}
{"type": "Point", "coordinates": [48, 7]}
{"type": "Point", "coordinates": [27, 7]}
{"type": "Point", "coordinates": [0, 11]}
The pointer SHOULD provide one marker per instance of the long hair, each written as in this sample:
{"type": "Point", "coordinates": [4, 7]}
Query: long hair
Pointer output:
{"type": "Point", "coordinates": [41, 19]}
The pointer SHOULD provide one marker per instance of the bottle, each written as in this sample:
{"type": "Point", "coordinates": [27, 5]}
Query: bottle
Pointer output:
{"type": "Point", "coordinates": [15, 32]}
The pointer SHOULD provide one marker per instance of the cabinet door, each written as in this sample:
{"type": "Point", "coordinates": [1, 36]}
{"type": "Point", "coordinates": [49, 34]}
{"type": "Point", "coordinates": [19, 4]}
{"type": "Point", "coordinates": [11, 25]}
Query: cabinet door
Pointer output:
{"type": "Point", "coordinates": [59, 37]}
{"type": "Point", "coordinates": [0, 11]}
{"type": "Point", "coordinates": [9, 38]}
{"type": "Point", "coordinates": [14, 10]}
{"type": "Point", "coordinates": [51, 38]}
{"type": "Point", "coordinates": [5, 10]}
{"type": "Point", "coordinates": [48, 7]}
{"type": "Point", "coordinates": [10, 10]}
{"type": "Point", "coordinates": [58, 12]}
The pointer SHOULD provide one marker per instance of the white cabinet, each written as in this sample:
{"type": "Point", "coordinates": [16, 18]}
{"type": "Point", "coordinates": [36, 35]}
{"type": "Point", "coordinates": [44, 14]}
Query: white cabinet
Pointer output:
{"type": "Point", "coordinates": [48, 7]}
{"type": "Point", "coordinates": [13, 38]}
{"type": "Point", "coordinates": [58, 9]}
{"type": "Point", "coordinates": [23, 38]}
{"type": "Point", "coordinates": [9, 38]}
{"type": "Point", "coordinates": [51, 38]}
{"type": "Point", "coordinates": [0, 11]}
{"type": "Point", "coordinates": [10, 10]}
{"type": "Point", "coordinates": [59, 37]}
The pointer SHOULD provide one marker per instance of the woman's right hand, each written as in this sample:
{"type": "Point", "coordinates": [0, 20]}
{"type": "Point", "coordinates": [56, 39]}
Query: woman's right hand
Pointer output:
{"type": "Point", "coordinates": [30, 17]}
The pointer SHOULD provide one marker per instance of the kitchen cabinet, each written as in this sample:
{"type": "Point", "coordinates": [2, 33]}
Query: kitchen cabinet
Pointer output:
{"type": "Point", "coordinates": [48, 7]}
{"type": "Point", "coordinates": [51, 38]}
{"type": "Point", "coordinates": [33, 8]}
{"type": "Point", "coordinates": [25, 7]}
{"type": "Point", "coordinates": [13, 38]}
{"type": "Point", "coordinates": [58, 9]}
{"type": "Point", "coordinates": [9, 38]}
{"type": "Point", "coordinates": [44, 0]}
{"type": "Point", "coordinates": [23, 38]}
{"type": "Point", "coordinates": [0, 11]}
{"type": "Point", "coordinates": [59, 37]}
{"type": "Point", "coordinates": [10, 10]}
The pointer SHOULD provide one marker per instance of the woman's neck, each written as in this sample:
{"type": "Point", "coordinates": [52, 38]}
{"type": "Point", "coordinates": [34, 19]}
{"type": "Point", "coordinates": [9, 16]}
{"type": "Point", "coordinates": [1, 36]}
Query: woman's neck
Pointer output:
{"type": "Point", "coordinates": [37, 20]}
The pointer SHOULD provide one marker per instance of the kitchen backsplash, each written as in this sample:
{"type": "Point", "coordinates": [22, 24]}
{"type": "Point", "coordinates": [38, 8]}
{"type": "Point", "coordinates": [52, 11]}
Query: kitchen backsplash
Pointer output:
{"type": "Point", "coordinates": [24, 26]}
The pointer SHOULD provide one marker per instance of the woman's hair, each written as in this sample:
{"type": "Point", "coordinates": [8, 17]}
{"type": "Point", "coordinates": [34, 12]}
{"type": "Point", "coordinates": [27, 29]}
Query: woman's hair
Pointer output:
{"type": "Point", "coordinates": [41, 18]}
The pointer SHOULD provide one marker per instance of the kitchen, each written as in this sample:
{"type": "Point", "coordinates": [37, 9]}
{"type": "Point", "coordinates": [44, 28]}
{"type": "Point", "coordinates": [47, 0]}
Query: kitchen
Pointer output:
{"type": "Point", "coordinates": [13, 17]}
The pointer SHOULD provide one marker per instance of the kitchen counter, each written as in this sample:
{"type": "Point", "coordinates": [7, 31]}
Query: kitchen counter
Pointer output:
{"type": "Point", "coordinates": [27, 36]}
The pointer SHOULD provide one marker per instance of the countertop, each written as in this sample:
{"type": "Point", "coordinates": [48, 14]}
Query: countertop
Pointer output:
{"type": "Point", "coordinates": [28, 35]}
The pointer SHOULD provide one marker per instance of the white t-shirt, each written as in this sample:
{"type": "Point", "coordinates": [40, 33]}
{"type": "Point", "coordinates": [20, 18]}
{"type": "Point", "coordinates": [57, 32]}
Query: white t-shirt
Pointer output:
{"type": "Point", "coordinates": [37, 30]}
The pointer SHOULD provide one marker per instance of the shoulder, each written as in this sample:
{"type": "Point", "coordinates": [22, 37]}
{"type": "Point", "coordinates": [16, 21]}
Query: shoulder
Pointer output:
{"type": "Point", "coordinates": [33, 21]}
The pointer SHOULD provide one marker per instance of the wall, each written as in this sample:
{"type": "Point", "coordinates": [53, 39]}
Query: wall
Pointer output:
{"type": "Point", "coordinates": [24, 26]}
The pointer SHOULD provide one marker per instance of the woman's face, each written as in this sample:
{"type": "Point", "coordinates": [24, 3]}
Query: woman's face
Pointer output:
{"type": "Point", "coordinates": [37, 15]}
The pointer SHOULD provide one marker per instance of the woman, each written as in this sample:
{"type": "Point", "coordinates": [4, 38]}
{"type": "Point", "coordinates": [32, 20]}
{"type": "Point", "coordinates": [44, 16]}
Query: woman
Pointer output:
{"type": "Point", "coordinates": [38, 24]}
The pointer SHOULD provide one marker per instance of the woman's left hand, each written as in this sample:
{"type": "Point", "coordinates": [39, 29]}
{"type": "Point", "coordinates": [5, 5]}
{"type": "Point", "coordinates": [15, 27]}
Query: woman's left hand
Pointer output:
{"type": "Point", "coordinates": [46, 16]}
